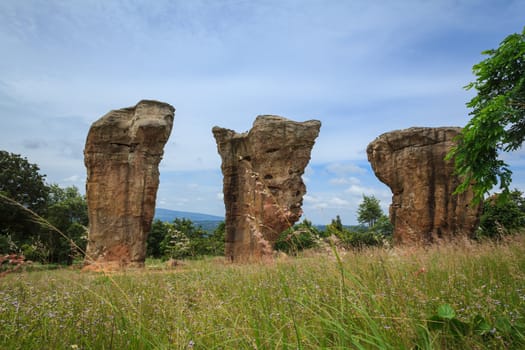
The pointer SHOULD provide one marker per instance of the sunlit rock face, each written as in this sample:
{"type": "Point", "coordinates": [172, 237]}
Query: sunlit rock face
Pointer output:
{"type": "Point", "coordinates": [424, 209]}
{"type": "Point", "coordinates": [263, 187]}
{"type": "Point", "coordinates": [122, 155]}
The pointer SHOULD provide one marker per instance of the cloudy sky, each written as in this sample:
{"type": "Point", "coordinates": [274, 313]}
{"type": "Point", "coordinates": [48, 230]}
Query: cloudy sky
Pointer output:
{"type": "Point", "coordinates": [362, 67]}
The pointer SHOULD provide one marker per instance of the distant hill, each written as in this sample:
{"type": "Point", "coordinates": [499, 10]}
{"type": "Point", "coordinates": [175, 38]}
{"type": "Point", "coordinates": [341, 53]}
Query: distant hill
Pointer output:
{"type": "Point", "coordinates": [170, 215]}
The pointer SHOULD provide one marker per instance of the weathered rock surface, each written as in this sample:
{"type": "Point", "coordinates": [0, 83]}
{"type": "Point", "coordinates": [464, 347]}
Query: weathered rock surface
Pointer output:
{"type": "Point", "coordinates": [411, 162]}
{"type": "Point", "coordinates": [263, 188]}
{"type": "Point", "coordinates": [122, 154]}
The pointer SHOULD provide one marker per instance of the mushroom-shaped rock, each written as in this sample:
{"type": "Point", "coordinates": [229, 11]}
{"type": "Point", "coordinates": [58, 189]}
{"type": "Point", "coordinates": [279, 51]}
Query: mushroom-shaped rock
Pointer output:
{"type": "Point", "coordinates": [424, 209]}
{"type": "Point", "coordinates": [122, 154]}
{"type": "Point", "coordinates": [263, 188]}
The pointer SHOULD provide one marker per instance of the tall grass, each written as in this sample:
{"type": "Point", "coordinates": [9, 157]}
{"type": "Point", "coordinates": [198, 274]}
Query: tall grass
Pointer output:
{"type": "Point", "coordinates": [373, 299]}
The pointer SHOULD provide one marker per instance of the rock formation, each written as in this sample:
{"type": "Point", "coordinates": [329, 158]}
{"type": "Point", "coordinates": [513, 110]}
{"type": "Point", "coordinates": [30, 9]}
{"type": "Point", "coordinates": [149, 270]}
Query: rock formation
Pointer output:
{"type": "Point", "coordinates": [122, 155]}
{"type": "Point", "coordinates": [263, 188]}
{"type": "Point", "coordinates": [411, 162]}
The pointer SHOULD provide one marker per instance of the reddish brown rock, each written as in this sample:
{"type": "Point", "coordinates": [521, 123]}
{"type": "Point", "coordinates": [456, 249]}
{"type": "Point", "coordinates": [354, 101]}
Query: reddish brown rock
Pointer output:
{"type": "Point", "coordinates": [122, 154]}
{"type": "Point", "coordinates": [263, 188]}
{"type": "Point", "coordinates": [411, 162]}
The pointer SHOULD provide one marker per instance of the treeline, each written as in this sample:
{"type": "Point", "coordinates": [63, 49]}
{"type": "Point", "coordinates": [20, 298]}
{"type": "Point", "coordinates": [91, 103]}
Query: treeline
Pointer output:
{"type": "Point", "coordinates": [32, 213]}
{"type": "Point", "coordinates": [48, 223]}
{"type": "Point", "coordinates": [182, 239]}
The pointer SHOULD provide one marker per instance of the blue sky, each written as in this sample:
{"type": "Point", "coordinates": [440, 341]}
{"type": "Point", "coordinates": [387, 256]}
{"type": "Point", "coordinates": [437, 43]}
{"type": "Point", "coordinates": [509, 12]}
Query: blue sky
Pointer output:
{"type": "Point", "coordinates": [361, 67]}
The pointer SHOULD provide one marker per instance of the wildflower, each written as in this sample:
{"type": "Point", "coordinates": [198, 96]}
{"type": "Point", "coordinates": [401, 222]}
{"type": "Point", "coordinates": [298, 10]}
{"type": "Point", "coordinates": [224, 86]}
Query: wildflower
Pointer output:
{"type": "Point", "coordinates": [191, 344]}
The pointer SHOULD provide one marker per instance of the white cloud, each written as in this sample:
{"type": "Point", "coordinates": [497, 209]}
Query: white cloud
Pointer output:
{"type": "Point", "coordinates": [365, 68]}
{"type": "Point", "coordinates": [338, 202]}
{"type": "Point", "coordinates": [73, 178]}
{"type": "Point", "coordinates": [342, 169]}
{"type": "Point", "coordinates": [345, 181]}
{"type": "Point", "coordinates": [309, 199]}
{"type": "Point", "coordinates": [357, 190]}
{"type": "Point", "coordinates": [325, 201]}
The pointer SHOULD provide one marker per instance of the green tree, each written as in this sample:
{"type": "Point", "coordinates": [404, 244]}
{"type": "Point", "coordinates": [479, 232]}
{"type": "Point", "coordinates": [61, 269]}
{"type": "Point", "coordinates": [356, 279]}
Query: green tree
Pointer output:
{"type": "Point", "coordinates": [185, 240]}
{"type": "Point", "coordinates": [21, 182]}
{"type": "Point", "coordinates": [196, 235]}
{"type": "Point", "coordinates": [25, 232]}
{"type": "Point", "coordinates": [336, 224]}
{"type": "Point", "coordinates": [383, 226]}
{"type": "Point", "coordinates": [502, 217]}
{"type": "Point", "coordinates": [216, 240]}
{"type": "Point", "coordinates": [159, 230]}
{"type": "Point", "coordinates": [498, 119]}
{"type": "Point", "coordinates": [176, 244]}
{"type": "Point", "coordinates": [337, 229]}
{"type": "Point", "coordinates": [67, 211]}
{"type": "Point", "coordinates": [369, 211]}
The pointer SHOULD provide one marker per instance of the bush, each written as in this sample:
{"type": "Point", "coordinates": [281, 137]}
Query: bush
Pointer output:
{"type": "Point", "coordinates": [176, 244]}
{"type": "Point", "coordinates": [182, 239]}
{"type": "Point", "coordinates": [298, 238]}
{"type": "Point", "coordinates": [502, 215]}
{"type": "Point", "coordinates": [159, 230]}
{"type": "Point", "coordinates": [360, 236]}
{"type": "Point", "coordinates": [364, 239]}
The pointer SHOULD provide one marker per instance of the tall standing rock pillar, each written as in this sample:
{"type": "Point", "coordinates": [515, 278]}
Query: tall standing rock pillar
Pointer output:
{"type": "Point", "coordinates": [424, 209]}
{"type": "Point", "coordinates": [122, 154]}
{"type": "Point", "coordinates": [263, 188]}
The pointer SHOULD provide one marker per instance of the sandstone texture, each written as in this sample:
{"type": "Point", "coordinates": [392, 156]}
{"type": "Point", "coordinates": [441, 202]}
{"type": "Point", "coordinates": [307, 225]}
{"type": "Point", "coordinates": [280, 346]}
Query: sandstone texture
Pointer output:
{"type": "Point", "coordinates": [122, 154]}
{"type": "Point", "coordinates": [263, 188]}
{"type": "Point", "coordinates": [424, 209]}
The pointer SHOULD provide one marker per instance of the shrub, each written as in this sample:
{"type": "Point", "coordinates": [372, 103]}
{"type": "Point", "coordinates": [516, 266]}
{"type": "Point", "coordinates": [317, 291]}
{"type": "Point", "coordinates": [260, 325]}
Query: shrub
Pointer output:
{"type": "Point", "coordinates": [298, 238]}
{"type": "Point", "coordinates": [182, 239]}
{"type": "Point", "coordinates": [502, 216]}
{"type": "Point", "coordinates": [176, 245]}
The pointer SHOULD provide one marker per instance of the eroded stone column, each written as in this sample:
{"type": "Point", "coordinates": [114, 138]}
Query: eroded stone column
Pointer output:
{"type": "Point", "coordinates": [424, 209]}
{"type": "Point", "coordinates": [263, 188]}
{"type": "Point", "coordinates": [122, 154]}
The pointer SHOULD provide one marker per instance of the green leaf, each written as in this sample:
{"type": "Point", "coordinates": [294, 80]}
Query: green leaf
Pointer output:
{"type": "Point", "coordinates": [435, 323]}
{"type": "Point", "coordinates": [481, 326]}
{"type": "Point", "coordinates": [520, 325]}
{"type": "Point", "coordinates": [496, 123]}
{"type": "Point", "coordinates": [446, 312]}
{"type": "Point", "coordinates": [503, 325]}
{"type": "Point", "coordinates": [459, 328]}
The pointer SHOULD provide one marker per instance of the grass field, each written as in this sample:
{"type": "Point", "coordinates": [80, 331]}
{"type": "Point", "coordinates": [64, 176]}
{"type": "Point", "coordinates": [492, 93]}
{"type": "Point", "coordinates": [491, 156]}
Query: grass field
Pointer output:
{"type": "Point", "coordinates": [447, 297]}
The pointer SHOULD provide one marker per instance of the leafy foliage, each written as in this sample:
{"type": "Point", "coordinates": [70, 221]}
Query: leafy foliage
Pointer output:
{"type": "Point", "coordinates": [356, 237]}
{"type": "Point", "coordinates": [377, 231]}
{"type": "Point", "coordinates": [383, 226]}
{"type": "Point", "coordinates": [158, 231]}
{"type": "Point", "coordinates": [299, 237]}
{"type": "Point", "coordinates": [176, 244]}
{"type": "Point", "coordinates": [498, 122]}
{"type": "Point", "coordinates": [22, 182]}
{"type": "Point", "coordinates": [182, 239]}
{"type": "Point", "coordinates": [335, 228]}
{"type": "Point", "coordinates": [369, 211]}
{"type": "Point", "coordinates": [502, 217]}
{"type": "Point", "coordinates": [65, 209]}
{"type": "Point", "coordinates": [453, 331]}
